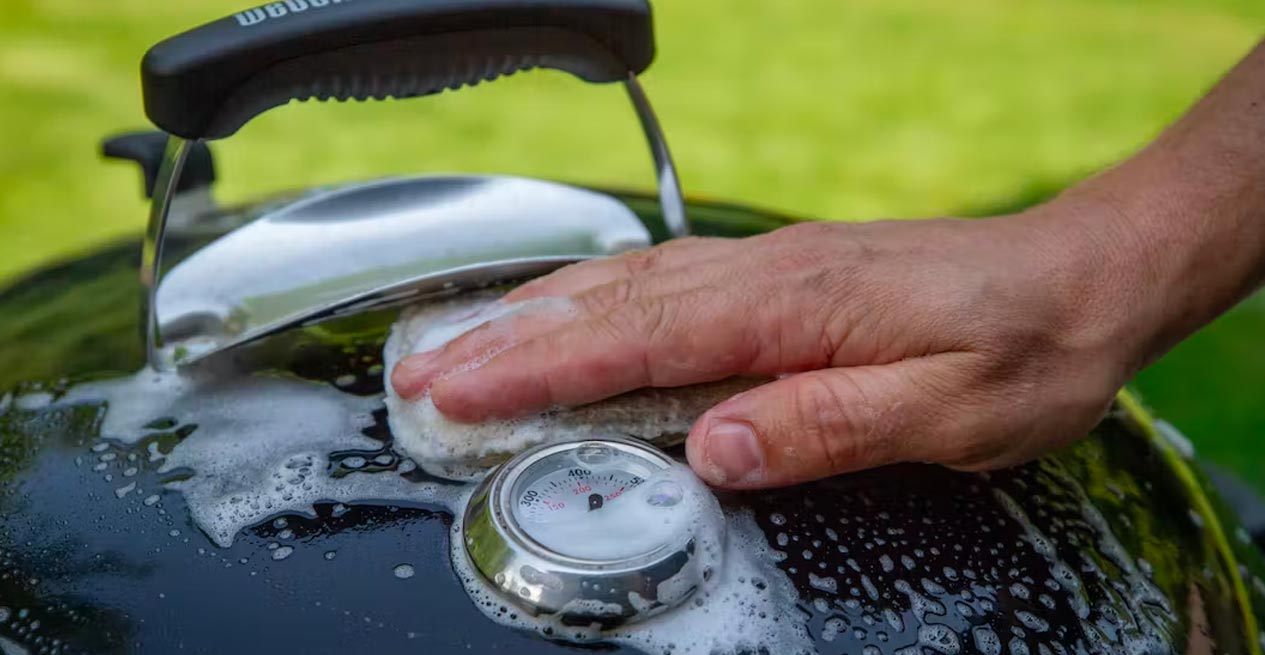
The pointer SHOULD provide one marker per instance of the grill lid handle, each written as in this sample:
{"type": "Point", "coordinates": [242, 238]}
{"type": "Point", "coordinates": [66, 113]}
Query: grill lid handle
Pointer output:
{"type": "Point", "coordinates": [210, 81]}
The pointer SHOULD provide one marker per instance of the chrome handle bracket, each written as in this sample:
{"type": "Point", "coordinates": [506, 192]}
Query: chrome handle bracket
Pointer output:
{"type": "Point", "coordinates": [176, 154]}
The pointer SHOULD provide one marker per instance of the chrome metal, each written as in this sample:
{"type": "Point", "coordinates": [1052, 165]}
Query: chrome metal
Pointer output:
{"type": "Point", "coordinates": [545, 582]}
{"type": "Point", "coordinates": [671, 203]}
{"type": "Point", "coordinates": [368, 246]}
{"type": "Point", "coordinates": [168, 180]}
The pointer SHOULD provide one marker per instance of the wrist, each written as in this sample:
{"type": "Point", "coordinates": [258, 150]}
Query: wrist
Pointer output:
{"type": "Point", "coordinates": [1162, 249]}
{"type": "Point", "coordinates": [1111, 275]}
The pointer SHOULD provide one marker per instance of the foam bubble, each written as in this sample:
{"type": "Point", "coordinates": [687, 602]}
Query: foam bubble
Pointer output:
{"type": "Point", "coordinates": [986, 641]}
{"type": "Point", "coordinates": [939, 638]}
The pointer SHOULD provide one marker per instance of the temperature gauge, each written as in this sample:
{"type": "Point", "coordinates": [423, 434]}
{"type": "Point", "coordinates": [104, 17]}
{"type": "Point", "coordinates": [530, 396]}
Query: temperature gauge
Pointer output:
{"type": "Point", "coordinates": [601, 530]}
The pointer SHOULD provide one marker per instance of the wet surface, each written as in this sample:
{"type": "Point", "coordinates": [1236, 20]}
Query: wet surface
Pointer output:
{"type": "Point", "coordinates": [1103, 548]}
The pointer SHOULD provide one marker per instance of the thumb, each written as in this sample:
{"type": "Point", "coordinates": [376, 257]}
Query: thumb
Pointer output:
{"type": "Point", "coordinates": [820, 423]}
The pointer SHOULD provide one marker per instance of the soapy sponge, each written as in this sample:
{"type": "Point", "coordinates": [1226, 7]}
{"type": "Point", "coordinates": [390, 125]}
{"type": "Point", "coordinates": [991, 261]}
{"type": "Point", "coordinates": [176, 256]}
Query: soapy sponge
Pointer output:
{"type": "Point", "coordinates": [463, 451]}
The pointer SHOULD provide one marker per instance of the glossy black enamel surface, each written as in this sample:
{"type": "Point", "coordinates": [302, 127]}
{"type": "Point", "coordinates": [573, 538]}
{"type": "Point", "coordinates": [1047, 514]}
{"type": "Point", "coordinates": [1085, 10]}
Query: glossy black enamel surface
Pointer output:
{"type": "Point", "coordinates": [1111, 546]}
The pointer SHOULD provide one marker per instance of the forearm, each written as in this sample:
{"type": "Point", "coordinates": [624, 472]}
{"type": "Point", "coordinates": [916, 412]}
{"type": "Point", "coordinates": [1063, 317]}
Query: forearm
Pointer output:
{"type": "Point", "coordinates": [1182, 224]}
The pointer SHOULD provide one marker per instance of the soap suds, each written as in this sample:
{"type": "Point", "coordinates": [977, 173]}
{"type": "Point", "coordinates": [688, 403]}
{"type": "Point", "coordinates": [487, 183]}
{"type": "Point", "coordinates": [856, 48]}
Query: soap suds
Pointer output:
{"type": "Point", "coordinates": [463, 451]}
{"type": "Point", "coordinates": [261, 448]}
{"type": "Point", "coordinates": [256, 446]}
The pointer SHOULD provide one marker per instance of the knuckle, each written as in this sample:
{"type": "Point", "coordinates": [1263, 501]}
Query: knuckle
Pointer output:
{"type": "Point", "coordinates": [655, 320]}
{"type": "Point", "coordinates": [671, 332]}
{"type": "Point", "coordinates": [637, 329]}
{"type": "Point", "coordinates": [640, 261]}
{"type": "Point", "coordinates": [622, 350]}
{"type": "Point", "coordinates": [836, 424]}
{"type": "Point", "coordinates": [612, 328]}
{"type": "Point", "coordinates": [604, 298]}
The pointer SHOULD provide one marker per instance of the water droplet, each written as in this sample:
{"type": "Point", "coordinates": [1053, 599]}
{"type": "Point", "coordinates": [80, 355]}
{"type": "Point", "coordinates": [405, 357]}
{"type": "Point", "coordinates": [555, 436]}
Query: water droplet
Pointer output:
{"type": "Point", "coordinates": [826, 584]}
{"type": "Point", "coordinates": [404, 571]}
{"type": "Point", "coordinates": [832, 627]}
{"type": "Point", "coordinates": [664, 493]}
{"type": "Point", "coordinates": [124, 490]}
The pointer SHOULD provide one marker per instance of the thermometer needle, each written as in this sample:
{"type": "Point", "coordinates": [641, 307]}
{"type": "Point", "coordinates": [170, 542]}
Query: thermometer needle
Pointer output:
{"type": "Point", "coordinates": [595, 501]}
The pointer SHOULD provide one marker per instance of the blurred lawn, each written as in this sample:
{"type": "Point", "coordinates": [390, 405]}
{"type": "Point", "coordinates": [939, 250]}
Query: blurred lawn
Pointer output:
{"type": "Point", "coordinates": [835, 108]}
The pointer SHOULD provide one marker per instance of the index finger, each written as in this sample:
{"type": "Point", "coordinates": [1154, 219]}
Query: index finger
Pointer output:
{"type": "Point", "coordinates": [667, 340]}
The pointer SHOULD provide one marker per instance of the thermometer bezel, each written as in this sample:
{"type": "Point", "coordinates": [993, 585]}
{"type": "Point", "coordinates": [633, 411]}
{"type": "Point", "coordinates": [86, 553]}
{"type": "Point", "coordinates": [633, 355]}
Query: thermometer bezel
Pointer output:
{"type": "Point", "coordinates": [543, 581]}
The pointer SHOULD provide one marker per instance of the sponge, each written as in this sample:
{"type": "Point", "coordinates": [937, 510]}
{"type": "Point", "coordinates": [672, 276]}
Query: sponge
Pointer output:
{"type": "Point", "coordinates": [463, 451]}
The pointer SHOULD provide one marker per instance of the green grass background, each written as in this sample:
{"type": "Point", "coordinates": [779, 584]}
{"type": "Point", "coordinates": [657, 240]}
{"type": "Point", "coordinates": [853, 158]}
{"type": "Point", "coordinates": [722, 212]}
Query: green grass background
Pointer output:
{"type": "Point", "coordinates": [842, 109]}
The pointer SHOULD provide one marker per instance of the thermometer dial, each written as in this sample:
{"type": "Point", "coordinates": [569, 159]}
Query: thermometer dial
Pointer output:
{"type": "Point", "coordinates": [600, 530]}
{"type": "Point", "coordinates": [568, 496]}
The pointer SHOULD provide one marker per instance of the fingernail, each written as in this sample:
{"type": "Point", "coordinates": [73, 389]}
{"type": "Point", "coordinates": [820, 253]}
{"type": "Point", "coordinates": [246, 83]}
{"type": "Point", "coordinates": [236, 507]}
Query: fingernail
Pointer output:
{"type": "Point", "coordinates": [733, 452]}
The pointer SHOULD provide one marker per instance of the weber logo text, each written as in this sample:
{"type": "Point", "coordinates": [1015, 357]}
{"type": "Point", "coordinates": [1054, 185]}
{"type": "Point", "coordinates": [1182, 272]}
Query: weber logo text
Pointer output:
{"type": "Point", "coordinates": [281, 9]}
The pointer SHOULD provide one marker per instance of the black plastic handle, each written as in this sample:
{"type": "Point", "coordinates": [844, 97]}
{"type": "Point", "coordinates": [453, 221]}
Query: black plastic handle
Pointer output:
{"type": "Point", "coordinates": [208, 82]}
{"type": "Point", "coordinates": [147, 148]}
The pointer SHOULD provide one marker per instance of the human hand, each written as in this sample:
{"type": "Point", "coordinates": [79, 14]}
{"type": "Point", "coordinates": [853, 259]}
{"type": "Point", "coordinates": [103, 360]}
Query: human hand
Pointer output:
{"type": "Point", "coordinates": [972, 343]}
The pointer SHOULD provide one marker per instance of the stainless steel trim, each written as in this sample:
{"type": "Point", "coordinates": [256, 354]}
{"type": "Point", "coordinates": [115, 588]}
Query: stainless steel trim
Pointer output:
{"type": "Point", "coordinates": [544, 582]}
{"type": "Point", "coordinates": [369, 246]}
{"type": "Point", "coordinates": [174, 158]}
{"type": "Point", "coordinates": [671, 203]}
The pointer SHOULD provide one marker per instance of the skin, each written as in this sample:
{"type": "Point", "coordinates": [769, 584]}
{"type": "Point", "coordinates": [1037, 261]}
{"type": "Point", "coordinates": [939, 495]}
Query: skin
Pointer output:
{"type": "Point", "coordinates": [976, 344]}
